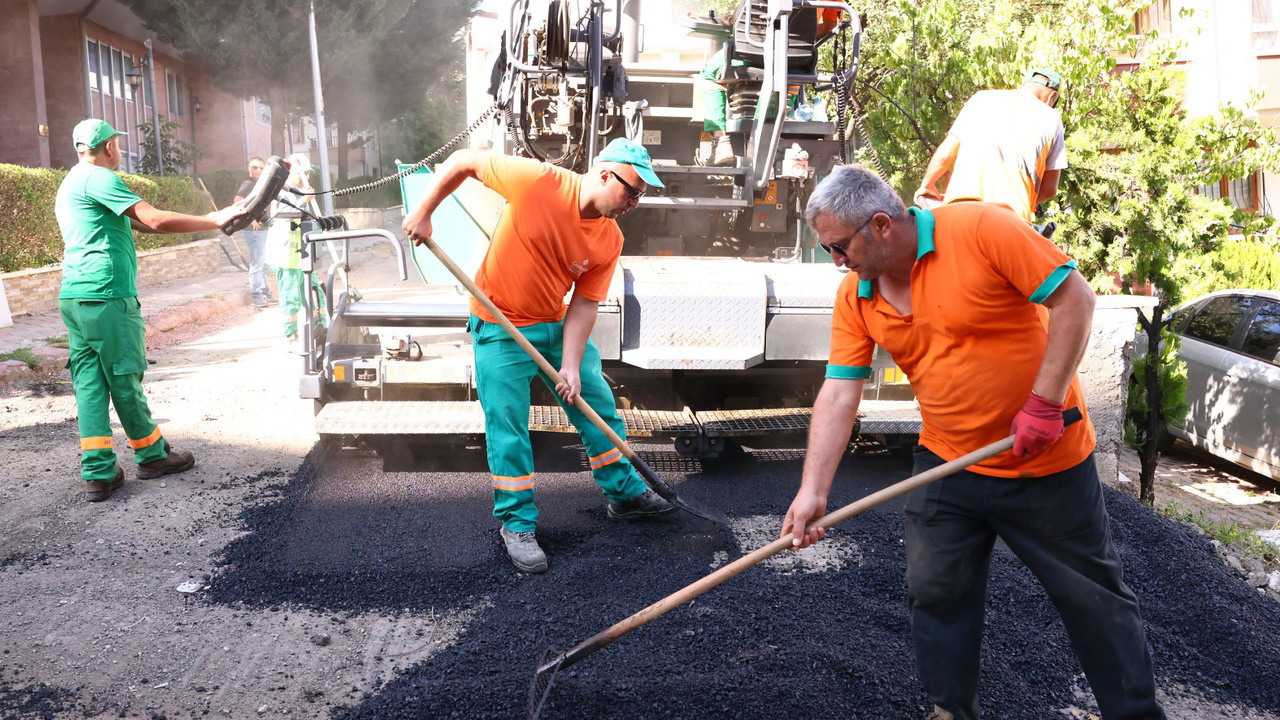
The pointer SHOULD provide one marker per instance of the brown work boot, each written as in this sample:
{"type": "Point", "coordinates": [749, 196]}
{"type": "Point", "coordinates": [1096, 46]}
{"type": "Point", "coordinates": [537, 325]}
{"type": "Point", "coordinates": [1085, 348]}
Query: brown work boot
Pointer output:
{"type": "Point", "coordinates": [178, 461]}
{"type": "Point", "coordinates": [96, 491]}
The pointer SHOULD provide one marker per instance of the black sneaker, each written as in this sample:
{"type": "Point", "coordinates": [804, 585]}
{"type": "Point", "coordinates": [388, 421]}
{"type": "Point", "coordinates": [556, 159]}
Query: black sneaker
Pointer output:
{"type": "Point", "coordinates": [96, 491]}
{"type": "Point", "coordinates": [646, 504]}
{"type": "Point", "coordinates": [178, 461]}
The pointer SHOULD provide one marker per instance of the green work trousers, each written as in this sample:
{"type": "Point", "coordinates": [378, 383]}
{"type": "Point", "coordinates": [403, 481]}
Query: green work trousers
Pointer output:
{"type": "Point", "coordinates": [503, 374]}
{"type": "Point", "coordinates": [714, 112]}
{"type": "Point", "coordinates": [289, 283]}
{"type": "Point", "coordinates": [107, 339]}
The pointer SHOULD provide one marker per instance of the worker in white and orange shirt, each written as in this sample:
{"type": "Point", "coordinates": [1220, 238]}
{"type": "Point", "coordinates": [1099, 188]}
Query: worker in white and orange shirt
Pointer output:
{"type": "Point", "coordinates": [1006, 146]}
{"type": "Point", "coordinates": [556, 232]}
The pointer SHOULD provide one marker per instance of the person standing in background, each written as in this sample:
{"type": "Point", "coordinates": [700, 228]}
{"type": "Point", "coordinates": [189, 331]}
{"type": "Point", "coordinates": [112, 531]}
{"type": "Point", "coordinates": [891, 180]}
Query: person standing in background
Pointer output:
{"type": "Point", "coordinates": [255, 237]}
{"type": "Point", "coordinates": [284, 246]}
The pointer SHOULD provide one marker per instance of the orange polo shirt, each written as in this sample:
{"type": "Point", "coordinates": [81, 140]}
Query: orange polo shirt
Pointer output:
{"type": "Point", "coordinates": [974, 341]}
{"type": "Point", "coordinates": [541, 245]}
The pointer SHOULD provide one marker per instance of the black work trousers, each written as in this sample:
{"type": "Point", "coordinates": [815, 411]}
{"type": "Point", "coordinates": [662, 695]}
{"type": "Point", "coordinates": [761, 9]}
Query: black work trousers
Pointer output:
{"type": "Point", "coordinates": [1058, 526]}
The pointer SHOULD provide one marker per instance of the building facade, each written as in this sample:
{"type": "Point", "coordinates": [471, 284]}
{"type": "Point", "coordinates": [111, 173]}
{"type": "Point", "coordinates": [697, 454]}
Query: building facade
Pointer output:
{"type": "Point", "coordinates": [62, 61]}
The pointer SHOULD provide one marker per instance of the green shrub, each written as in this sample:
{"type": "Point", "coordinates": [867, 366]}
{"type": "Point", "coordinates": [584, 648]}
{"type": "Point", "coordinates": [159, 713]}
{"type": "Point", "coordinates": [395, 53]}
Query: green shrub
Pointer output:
{"type": "Point", "coordinates": [384, 197]}
{"type": "Point", "coordinates": [1173, 388]}
{"type": "Point", "coordinates": [1250, 264]}
{"type": "Point", "coordinates": [223, 184]}
{"type": "Point", "coordinates": [29, 235]}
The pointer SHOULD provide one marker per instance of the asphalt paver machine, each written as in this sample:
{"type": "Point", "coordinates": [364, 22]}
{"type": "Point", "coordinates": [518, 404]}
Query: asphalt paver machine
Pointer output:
{"type": "Point", "coordinates": [716, 330]}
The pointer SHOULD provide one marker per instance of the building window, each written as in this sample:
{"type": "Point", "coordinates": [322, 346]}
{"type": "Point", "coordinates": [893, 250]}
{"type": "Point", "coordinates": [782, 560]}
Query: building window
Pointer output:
{"type": "Point", "coordinates": [176, 99]}
{"type": "Point", "coordinates": [93, 64]}
{"type": "Point", "coordinates": [128, 67]}
{"type": "Point", "coordinates": [1157, 16]}
{"type": "Point", "coordinates": [261, 111]}
{"type": "Point", "coordinates": [299, 132]}
{"type": "Point", "coordinates": [117, 73]}
{"type": "Point", "coordinates": [332, 132]}
{"type": "Point", "coordinates": [1265, 27]}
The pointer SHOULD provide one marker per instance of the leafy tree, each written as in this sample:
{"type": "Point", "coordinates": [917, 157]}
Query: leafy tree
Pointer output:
{"type": "Point", "coordinates": [378, 57]}
{"type": "Point", "coordinates": [1127, 207]}
{"type": "Point", "coordinates": [177, 155]}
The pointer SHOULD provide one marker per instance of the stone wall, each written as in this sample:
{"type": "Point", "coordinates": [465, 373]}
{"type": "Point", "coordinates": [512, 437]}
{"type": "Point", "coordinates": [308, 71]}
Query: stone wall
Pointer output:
{"type": "Point", "coordinates": [36, 290]}
{"type": "Point", "coordinates": [1104, 375]}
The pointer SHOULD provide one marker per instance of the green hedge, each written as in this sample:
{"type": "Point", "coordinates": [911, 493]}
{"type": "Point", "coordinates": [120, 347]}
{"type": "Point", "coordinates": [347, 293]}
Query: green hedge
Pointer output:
{"type": "Point", "coordinates": [223, 184]}
{"type": "Point", "coordinates": [1244, 264]}
{"type": "Point", "coordinates": [384, 197]}
{"type": "Point", "coordinates": [29, 235]}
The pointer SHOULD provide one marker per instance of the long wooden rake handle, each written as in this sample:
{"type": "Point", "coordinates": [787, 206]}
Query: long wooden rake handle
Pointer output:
{"type": "Point", "coordinates": [608, 635]}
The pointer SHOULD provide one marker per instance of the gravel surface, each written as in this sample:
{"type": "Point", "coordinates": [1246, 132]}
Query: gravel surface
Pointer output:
{"type": "Point", "coordinates": [334, 589]}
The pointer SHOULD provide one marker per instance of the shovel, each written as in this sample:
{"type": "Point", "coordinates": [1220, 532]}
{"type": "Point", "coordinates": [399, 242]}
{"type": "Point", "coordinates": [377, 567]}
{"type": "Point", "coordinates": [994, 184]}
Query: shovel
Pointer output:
{"type": "Point", "coordinates": [547, 670]}
{"type": "Point", "coordinates": [647, 474]}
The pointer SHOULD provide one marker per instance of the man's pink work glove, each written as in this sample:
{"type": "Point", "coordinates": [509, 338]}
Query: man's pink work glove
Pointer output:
{"type": "Point", "coordinates": [1036, 426]}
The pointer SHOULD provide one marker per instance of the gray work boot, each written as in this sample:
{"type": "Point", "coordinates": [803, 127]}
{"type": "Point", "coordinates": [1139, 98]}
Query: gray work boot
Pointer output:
{"type": "Point", "coordinates": [722, 152]}
{"type": "Point", "coordinates": [523, 549]}
{"type": "Point", "coordinates": [646, 504]}
{"type": "Point", "coordinates": [96, 491]}
{"type": "Point", "coordinates": [177, 461]}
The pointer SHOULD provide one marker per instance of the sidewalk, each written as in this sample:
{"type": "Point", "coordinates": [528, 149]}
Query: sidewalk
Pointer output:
{"type": "Point", "coordinates": [30, 331]}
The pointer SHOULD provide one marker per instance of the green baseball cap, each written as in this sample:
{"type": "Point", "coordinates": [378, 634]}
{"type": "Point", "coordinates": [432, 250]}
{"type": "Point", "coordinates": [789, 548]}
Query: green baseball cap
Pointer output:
{"type": "Point", "coordinates": [632, 153]}
{"type": "Point", "coordinates": [1049, 78]}
{"type": "Point", "coordinates": [91, 133]}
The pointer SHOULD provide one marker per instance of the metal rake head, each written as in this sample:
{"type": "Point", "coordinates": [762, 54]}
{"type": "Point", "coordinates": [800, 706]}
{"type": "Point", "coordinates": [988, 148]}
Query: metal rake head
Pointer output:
{"type": "Point", "coordinates": [543, 679]}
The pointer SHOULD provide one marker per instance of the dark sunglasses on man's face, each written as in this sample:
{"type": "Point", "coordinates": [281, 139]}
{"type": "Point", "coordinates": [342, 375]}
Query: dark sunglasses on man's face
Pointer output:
{"type": "Point", "coordinates": [255, 167]}
{"type": "Point", "coordinates": [632, 192]}
{"type": "Point", "coordinates": [832, 249]}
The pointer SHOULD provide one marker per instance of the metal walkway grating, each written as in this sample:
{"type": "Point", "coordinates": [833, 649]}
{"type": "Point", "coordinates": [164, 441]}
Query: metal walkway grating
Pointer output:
{"type": "Point", "coordinates": [466, 418]}
{"type": "Point", "coordinates": [740, 423]}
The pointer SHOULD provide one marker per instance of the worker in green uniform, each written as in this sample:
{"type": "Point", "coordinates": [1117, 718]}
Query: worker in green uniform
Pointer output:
{"type": "Point", "coordinates": [99, 304]}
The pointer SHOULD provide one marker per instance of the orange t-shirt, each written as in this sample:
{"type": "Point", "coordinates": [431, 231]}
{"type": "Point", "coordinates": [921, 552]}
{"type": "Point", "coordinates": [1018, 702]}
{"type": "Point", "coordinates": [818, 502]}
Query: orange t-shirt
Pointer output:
{"type": "Point", "coordinates": [541, 246]}
{"type": "Point", "coordinates": [974, 341]}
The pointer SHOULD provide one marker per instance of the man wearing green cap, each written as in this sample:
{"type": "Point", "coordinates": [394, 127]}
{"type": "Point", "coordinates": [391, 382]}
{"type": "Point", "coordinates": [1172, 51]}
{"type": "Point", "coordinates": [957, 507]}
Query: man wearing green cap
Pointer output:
{"type": "Point", "coordinates": [99, 304]}
{"type": "Point", "coordinates": [1006, 146]}
{"type": "Point", "coordinates": [556, 232]}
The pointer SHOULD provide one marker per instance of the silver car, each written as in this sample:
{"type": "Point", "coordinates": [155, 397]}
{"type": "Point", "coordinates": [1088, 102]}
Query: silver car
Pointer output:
{"type": "Point", "coordinates": [1231, 344]}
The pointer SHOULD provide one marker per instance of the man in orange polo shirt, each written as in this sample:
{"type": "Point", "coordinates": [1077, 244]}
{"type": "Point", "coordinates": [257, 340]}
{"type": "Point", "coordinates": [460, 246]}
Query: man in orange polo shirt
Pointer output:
{"type": "Point", "coordinates": [556, 232]}
{"type": "Point", "coordinates": [989, 321]}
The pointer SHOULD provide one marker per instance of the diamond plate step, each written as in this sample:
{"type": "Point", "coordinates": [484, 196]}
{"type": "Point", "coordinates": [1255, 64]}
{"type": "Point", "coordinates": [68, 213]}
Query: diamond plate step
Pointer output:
{"type": "Point", "coordinates": [889, 417]}
{"type": "Point", "coordinates": [466, 418]}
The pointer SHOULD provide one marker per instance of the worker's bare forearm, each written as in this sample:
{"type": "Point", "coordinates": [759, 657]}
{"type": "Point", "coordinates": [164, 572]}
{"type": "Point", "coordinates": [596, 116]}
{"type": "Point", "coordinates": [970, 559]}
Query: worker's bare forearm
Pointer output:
{"type": "Point", "coordinates": [455, 171]}
{"type": "Point", "coordinates": [1070, 322]}
{"type": "Point", "coordinates": [163, 221]}
{"type": "Point", "coordinates": [943, 158]}
{"type": "Point", "coordinates": [834, 413]}
{"type": "Point", "coordinates": [579, 319]}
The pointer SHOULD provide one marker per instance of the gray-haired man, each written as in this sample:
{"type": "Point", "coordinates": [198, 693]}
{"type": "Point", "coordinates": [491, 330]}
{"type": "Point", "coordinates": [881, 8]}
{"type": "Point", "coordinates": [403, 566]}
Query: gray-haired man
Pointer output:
{"type": "Point", "coordinates": [956, 296]}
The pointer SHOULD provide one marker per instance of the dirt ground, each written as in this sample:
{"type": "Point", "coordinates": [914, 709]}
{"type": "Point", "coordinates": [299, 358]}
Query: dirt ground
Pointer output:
{"type": "Point", "coordinates": [333, 589]}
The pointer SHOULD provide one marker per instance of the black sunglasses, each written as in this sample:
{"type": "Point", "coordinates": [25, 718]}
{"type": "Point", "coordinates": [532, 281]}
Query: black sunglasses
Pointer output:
{"type": "Point", "coordinates": [632, 192]}
{"type": "Point", "coordinates": [832, 249]}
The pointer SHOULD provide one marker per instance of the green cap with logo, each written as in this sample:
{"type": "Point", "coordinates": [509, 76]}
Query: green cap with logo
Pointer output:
{"type": "Point", "coordinates": [623, 150]}
{"type": "Point", "coordinates": [91, 133]}
{"type": "Point", "coordinates": [1048, 78]}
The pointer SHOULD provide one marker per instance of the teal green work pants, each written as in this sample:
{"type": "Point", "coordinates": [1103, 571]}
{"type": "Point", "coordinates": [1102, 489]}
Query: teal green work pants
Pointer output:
{"type": "Point", "coordinates": [107, 339]}
{"type": "Point", "coordinates": [503, 375]}
{"type": "Point", "coordinates": [290, 283]}
{"type": "Point", "coordinates": [714, 112]}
